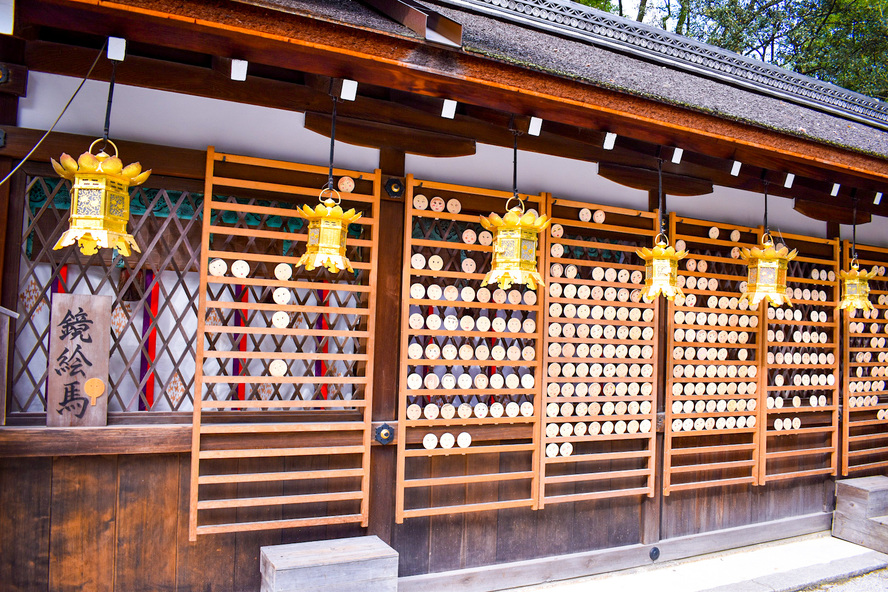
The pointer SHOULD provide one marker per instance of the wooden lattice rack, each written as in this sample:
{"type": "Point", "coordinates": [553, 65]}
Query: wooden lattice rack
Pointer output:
{"type": "Point", "coordinates": [713, 357]}
{"type": "Point", "coordinates": [865, 404]}
{"type": "Point", "coordinates": [469, 404]}
{"type": "Point", "coordinates": [601, 355]}
{"type": "Point", "coordinates": [800, 430]}
{"type": "Point", "coordinates": [284, 353]}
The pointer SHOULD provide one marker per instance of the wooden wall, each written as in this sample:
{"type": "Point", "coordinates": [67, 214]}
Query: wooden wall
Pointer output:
{"type": "Point", "coordinates": [120, 522]}
{"type": "Point", "coordinates": [102, 523]}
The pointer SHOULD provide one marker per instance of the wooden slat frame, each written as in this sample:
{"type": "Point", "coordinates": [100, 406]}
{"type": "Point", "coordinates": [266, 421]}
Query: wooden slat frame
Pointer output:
{"type": "Point", "coordinates": [864, 436]}
{"type": "Point", "coordinates": [578, 469]}
{"type": "Point", "coordinates": [705, 450]}
{"type": "Point", "coordinates": [488, 441]}
{"type": "Point", "coordinates": [356, 451]}
{"type": "Point", "coordinates": [807, 459]}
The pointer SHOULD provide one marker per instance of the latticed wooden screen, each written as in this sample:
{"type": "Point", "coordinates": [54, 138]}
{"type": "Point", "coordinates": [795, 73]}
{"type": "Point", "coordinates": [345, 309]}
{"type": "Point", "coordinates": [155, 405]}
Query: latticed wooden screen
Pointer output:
{"type": "Point", "coordinates": [154, 310]}
{"type": "Point", "coordinates": [800, 431]}
{"type": "Point", "coordinates": [284, 371]}
{"type": "Point", "coordinates": [714, 352]}
{"type": "Point", "coordinates": [469, 404]}
{"type": "Point", "coordinates": [865, 395]}
{"type": "Point", "coordinates": [601, 355]}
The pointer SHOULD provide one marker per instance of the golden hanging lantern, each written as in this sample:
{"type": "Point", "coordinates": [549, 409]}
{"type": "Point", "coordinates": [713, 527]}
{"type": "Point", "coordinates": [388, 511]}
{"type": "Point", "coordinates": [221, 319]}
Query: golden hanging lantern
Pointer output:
{"type": "Point", "coordinates": [766, 278]}
{"type": "Point", "coordinates": [661, 270]}
{"type": "Point", "coordinates": [100, 207]}
{"type": "Point", "coordinates": [856, 287]}
{"type": "Point", "coordinates": [515, 237]}
{"type": "Point", "coordinates": [327, 230]}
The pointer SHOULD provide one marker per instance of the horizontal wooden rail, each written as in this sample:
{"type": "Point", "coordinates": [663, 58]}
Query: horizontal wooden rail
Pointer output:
{"type": "Point", "coordinates": [274, 524]}
{"type": "Point", "coordinates": [279, 476]}
{"type": "Point", "coordinates": [278, 500]}
{"type": "Point", "coordinates": [275, 452]}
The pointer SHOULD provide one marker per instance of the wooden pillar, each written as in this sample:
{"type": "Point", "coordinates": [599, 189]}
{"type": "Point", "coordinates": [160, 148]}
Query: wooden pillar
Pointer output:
{"type": "Point", "coordinates": [12, 86]}
{"type": "Point", "coordinates": [652, 507]}
{"type": "Point", "coordinates": [832, 230]}
{"type": "Point", "coordinates": [386, 363]}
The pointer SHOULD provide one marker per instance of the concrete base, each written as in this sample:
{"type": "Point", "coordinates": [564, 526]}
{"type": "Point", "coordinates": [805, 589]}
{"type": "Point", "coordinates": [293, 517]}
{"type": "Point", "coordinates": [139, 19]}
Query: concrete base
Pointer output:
{"type": "Point", "coordinates": [339, 565]}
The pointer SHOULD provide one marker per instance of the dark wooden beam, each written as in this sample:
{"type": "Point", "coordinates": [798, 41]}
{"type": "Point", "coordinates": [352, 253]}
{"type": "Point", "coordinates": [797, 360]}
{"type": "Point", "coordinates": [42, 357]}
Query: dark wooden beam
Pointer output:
{"type": "Point", "coordinates": [383, 135]}
{"type": "Point", "coordinates": [15, 80]}
{"type": "Point", "coordinates": [15, 83]}
{"type": "Point", "coordinates": [829, 213]}
{"type": "Point", "coordinates": [159, 438]}
{"type": "Point", "coordinates": [163, 160]}
{"type": "Point", "coordinates": [414, 112]}
{"type": "Point", "coordinates": [646, 180]}
{"type": "Point", "coordinates": [43, 441]}
{"type": "Point", "coordinates": [392, 162]}
{"type": "Point", "coordinates": [405, 64]}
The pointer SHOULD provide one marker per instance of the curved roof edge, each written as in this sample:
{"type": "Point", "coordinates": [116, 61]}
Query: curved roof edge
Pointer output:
{"type": "Point", "coordinates": [600, 28]}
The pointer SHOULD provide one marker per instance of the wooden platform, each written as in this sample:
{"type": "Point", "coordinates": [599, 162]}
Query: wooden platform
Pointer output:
{"type": "Point", "coordinates": [862, 512]}
{"type": "Point", "coordinates": [356, 563]}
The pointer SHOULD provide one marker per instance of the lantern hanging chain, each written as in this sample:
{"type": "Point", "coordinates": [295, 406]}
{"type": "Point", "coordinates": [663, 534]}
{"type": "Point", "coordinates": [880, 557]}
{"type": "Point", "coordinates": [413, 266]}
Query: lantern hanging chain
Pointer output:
{"type": "Point", "coordinates": [54, 123]}
{"type": "Point", "coordinates": [660, 196]}
{"type": "Point", "coordinates": [110, 101]}
{"type": "Point", "coordinates": [332, 145]}
{"type": "Point", "coordinates": [767, 229]}
{"type": "Point", "coordinates": [854, 231]}
{"type": "Point", "coordinates": [515, 165]}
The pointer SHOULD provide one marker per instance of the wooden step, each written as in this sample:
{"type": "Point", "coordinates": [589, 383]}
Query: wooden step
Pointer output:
{"type": "Point", "coordinates": [861, 515]}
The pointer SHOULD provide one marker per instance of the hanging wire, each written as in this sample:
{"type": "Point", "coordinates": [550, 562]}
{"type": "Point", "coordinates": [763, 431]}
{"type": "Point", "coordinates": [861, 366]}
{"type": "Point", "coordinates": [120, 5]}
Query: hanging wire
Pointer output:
{"type": "Point", "coordinates": [332, 145]}
{"type": "Point", "coordinates": [854, 227]}
{"type": "Point", "coordinates": [660, 196]}
{"type": "Point", "coordinates": [57, 119]}
{"type": "Point", "coordinates": [110, 99]}
{"type": "Point", "coordinates": [515, 165]}
{"type": "Point", "coordinates": [765, 183]}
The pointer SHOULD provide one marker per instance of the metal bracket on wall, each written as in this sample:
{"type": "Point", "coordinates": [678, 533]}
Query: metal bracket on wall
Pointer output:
{"type": "Point", "coordinates": [385, 434]}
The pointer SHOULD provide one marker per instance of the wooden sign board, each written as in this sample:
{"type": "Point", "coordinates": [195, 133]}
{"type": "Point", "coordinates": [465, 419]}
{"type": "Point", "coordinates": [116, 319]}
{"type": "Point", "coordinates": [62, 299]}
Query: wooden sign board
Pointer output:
{"type": "Point", "coordinates": [79, 346]}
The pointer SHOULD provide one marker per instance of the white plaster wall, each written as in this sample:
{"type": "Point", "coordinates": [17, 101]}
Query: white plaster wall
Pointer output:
{"type": "Point", "coordinates": [184, 121]}
{"type": "Point", "coordinates": [562, 177]}
{"type": "Point", "coordinates": [747, 208]}
{"type": "Point", "coordinates": [193, 122]}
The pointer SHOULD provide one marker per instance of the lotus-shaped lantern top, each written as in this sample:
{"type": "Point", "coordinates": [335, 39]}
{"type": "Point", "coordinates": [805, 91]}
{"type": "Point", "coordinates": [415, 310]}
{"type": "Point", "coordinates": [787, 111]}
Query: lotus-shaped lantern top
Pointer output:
{"type": "Point", "coordinates": [855, 274]}
{"type": "Point", "coordinates": [662, 250]}
{"type": "Point", "coordinates": [330, 210]}
{"type": "Point", "coordinates": [514, 218]}
{"type": "Point", "coordinates": [101, 163]}
{"type": "Point", "coordinates": [768, 253]}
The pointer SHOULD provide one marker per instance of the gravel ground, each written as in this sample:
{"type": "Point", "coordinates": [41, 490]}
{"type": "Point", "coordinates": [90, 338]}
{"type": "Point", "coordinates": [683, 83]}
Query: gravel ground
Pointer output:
{"type": "Point", "coordinates": [876, 581]}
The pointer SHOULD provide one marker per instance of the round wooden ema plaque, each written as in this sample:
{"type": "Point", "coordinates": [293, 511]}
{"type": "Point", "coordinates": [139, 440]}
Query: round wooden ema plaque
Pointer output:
{"type": "Point", "coordinates": [94, 388]}
{"type": "Point", "coordinates": [240, 268]}
{"type": "Point", "coordinates": [218, 267]}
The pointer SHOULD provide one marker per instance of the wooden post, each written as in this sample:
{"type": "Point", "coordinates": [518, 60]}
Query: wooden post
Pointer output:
{"type": "Point", "coordinates": [833, 230]}
{"type": "Point", "coordinates": [386, 362]}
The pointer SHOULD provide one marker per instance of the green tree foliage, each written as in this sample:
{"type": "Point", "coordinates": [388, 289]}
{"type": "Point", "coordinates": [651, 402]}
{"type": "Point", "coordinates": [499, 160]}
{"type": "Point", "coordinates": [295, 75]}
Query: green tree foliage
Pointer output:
{"type": "Point", "coordinates": [605, 5]}
{"type": "Point", "coordinates": [844, 42]}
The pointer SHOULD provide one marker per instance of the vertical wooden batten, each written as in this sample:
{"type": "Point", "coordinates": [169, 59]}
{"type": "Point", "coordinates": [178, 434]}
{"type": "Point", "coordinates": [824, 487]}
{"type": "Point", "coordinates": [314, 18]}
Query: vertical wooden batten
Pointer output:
{"type": "Point", "coordinates": [386, 362]}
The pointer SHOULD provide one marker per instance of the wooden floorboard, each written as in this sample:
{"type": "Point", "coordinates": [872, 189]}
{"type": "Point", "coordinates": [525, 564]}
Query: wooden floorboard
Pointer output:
{"type": "Point", "coordinates": [25, 499]}
{"type": "Point", "coordinates": [83, 528]}
{"type": "Point", "coordinates": [147, 517]}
